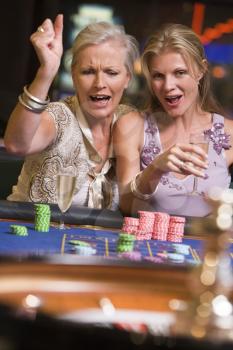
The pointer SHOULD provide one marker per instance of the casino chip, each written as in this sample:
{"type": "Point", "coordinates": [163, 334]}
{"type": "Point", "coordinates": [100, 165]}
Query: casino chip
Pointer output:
{"type": "Point", "coordinates": [155, 225]}
{"type": "Point", "coordinates": [125, 242]}
{"type": "Point", "coordinates": [19, 230]}
{"type": "Point", "coordinates": [42, 217]}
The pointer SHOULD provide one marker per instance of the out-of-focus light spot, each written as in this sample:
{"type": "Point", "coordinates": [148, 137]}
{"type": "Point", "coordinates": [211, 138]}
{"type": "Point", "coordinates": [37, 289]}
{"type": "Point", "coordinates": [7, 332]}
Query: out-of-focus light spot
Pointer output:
{"type": "Point", "coordinates": [31, 301]}
{"type": "Point", "coordinates": [207, 278]}
{"type": "Point", "coordinates": [221, 306]}
{"type": "Point", "coordinates": [137, 67]}
{"type": "Point", "coordinates": [219, 72]}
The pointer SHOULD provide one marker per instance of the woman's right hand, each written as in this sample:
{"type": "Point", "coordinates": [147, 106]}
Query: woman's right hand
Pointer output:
{"type": "Point", "coordinates": [182, 158]}
{"type": "Point", "coordinates": [48, 46]}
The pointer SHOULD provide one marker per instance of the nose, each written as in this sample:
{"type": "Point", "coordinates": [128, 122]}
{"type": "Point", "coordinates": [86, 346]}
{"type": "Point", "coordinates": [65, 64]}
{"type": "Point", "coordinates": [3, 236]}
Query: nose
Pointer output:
{"type": "Point", "coordinates": [169, 83]}
{"type": "Point", "coordinates": [99, 80]}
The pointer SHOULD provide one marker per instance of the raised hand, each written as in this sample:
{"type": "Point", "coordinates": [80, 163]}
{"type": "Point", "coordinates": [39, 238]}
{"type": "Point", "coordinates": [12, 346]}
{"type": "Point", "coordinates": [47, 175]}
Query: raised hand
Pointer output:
{"type": "Point", "coordinates": [47, 42]}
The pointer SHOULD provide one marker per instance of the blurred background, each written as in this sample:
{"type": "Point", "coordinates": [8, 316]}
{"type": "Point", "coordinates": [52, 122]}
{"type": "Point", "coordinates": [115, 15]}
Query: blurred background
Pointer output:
{"type": "Point", "coordinates": [211, 19]}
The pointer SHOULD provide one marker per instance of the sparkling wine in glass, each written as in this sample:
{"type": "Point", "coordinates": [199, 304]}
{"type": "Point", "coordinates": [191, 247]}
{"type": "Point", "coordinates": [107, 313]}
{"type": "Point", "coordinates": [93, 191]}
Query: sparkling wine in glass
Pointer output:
{"type": "Point", "coordinates": [65, 190]}
{"type": "Point", "coordinates": [200, 139]}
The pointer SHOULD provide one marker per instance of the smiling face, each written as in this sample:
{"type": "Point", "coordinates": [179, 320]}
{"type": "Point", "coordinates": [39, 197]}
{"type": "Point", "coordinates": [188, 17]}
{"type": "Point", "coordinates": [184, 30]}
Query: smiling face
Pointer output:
{"type": "Point", "coordinates": [100, 77]}
{"type": "Point", "coordinates": [174, 84]}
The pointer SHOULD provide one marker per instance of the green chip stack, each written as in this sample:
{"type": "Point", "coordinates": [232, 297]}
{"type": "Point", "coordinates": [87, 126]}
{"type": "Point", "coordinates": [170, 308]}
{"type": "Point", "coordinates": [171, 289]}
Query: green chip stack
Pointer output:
{"type": "Point", "coordinates": [42, 217]}
{"type": "Point", "coordinates": [125, 242]}
{"type": "Point", "coordinates": [19, 230]}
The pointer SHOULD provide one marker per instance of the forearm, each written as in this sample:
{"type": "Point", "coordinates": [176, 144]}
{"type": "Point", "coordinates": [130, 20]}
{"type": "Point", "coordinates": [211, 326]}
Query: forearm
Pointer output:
{"type": "Point", "coordinates": [24, 122]}
{"type": "Point", "coordinates": [139, 190]}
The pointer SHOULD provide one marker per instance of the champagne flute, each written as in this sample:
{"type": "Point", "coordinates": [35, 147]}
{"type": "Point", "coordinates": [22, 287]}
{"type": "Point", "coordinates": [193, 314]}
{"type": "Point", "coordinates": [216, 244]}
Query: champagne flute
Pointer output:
{"type": "Point", "coordinates": [200, 139]}
{"type": "Point", "coordinates": [65, 190]}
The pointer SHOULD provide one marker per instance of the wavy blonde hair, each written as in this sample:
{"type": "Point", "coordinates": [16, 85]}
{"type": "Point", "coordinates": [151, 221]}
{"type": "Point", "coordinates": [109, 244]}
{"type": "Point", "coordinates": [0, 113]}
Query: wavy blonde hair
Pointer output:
{"type": "Point", "coordinates": [181, 39]}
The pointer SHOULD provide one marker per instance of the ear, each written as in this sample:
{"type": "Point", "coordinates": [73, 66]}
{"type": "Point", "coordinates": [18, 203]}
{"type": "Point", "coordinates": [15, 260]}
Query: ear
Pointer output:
{"type": "Point", "coordinates": [204, 69]}
{"type": "Point", "coordinates": [128, 78]}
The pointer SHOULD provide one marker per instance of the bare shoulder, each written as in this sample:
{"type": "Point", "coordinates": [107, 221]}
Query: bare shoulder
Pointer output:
{"type": "Point", "coordinates": [128, 133]}
{"type": "Point", "coordinates": [132, 121]}
{"type": "Point", "coordinates": [228, 126]}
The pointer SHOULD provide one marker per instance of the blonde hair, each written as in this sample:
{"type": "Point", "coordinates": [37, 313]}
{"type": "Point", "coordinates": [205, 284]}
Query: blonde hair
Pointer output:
{"type": "Point", "coordinates": [100, 32]}
{"type": "Point", "coordinates": [182, 39]}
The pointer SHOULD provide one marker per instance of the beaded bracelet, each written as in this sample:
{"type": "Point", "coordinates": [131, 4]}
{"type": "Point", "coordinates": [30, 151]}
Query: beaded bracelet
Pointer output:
{"type": "Point", "coordinates": [134, 189]}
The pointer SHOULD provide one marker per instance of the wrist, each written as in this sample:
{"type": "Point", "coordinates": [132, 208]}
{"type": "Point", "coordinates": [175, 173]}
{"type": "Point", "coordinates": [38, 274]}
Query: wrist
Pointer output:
{"type": "Point", "coordinates": [46, 75]}
{"type": "Point", "coordinates": [137, 193]}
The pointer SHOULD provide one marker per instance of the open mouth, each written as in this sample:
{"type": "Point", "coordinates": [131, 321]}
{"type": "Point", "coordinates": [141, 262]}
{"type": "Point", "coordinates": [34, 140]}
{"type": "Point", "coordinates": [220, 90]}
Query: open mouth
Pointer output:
{"type": "Point", "coordinates": [173, 99]}
{"type": "Point", "coordinates": [99, 98]}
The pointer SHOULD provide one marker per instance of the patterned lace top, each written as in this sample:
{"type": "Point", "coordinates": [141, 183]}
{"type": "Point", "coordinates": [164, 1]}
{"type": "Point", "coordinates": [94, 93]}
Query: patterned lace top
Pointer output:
{"type": "Point", "coordinates": [173, 194]}
{"type": "Point", "coordinates": [72, 149]}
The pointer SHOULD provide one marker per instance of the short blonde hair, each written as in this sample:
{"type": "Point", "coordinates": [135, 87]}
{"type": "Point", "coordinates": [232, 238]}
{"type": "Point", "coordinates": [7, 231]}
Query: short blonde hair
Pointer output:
{"type": "Point", "coordinates": [100, 32]}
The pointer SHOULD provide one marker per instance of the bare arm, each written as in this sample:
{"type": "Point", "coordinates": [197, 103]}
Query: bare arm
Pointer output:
{"type": "Point", "coordinates": [29, 132]}
{"type": "Point", "coordinates": [128, 137]}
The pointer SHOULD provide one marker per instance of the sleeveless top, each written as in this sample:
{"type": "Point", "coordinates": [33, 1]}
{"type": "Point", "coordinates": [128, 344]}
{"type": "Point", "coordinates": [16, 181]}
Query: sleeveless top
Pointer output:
{"type": "Point", "coordinates": [73, 149]}
{"type": "Point", "coordinates": [173, 195]}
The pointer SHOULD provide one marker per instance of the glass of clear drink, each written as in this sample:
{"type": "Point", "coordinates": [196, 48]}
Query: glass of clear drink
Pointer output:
{"type": "Point", "coordinates": [201, 140]}
{"type": "Point", "coordinates": [66, 184]}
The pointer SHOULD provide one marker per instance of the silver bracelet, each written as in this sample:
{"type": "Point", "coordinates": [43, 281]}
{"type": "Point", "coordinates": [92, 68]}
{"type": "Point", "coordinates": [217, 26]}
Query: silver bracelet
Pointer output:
{"type": "Point", "coordinates": [134, 189]}
{"type": "Point", "coordinates": [35, 99]}
{"type": "Point", "coordinates": [30, 105]}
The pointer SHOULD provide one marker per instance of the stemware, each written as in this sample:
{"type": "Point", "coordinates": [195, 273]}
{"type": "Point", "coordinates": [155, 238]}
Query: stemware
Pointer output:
{"type": "Point", "coordinates": [65, 190]}
{"type": "Point", "coordinates": [200, 139]}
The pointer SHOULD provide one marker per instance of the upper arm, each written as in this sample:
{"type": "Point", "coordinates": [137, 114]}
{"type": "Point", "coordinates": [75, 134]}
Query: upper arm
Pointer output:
{"type": "Point", "coordinates": [44, 135]}
{"type": "Point", "coordinates": [127, 140]}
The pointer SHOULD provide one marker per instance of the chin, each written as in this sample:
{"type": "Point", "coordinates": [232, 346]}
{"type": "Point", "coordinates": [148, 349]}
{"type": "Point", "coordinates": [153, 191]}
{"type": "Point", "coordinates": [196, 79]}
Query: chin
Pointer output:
{"type": "Point", "coordinates": [102, 115]}
{"type": "Point", "coordinates": [175, 113]}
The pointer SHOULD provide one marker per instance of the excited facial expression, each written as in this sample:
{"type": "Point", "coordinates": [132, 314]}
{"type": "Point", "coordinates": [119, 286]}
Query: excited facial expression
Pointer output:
{"type": "Point", "coordinates": [174, 84]}
{"type": "Point", "coordinates": [100, 77]}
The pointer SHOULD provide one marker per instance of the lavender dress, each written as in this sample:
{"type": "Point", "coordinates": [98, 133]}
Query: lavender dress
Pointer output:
{"type": "Point", "coordinates": [173, 194]}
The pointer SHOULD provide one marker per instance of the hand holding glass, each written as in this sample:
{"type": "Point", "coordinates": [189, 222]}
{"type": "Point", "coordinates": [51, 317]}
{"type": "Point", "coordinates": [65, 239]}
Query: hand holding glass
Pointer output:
{"type": "Point", "coordinates": [200, 139]}
{"type": "Point", "coordinates": [65, 191]}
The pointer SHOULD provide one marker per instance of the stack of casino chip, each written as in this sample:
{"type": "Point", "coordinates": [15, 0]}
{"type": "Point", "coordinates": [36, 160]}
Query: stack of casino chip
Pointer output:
{"type": "Point", "coordinates": [125, 242]}
{"type": "Point", "coordinates": [19, 230]}
{"type": "Point", "coordinates": [42, 217]}
{"type": "Point", "coordinates": [130, 225]}
{"type": "Point", "coordinates": [161, 226]}
{"type": "Point", "coordinates": [146, 224]}
{"type": "Point", "coordinates": [176, 229]}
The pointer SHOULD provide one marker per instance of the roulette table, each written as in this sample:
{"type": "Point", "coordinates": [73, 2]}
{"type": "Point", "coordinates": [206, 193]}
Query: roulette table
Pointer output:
{"type": "Point", "coordinates": [51, 296]}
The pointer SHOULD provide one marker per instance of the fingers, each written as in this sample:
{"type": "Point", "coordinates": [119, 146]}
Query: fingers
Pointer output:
{"type": "Point", "coordinates": [187, 159]}
{"type": "Point", "coordinates": [48, 28]}
{"type": "Point", "coordinates": [58, 26]}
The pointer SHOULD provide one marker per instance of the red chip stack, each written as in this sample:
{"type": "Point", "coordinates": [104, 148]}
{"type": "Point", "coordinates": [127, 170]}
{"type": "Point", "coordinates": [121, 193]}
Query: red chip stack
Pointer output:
{"type": "Point", "coordinates": [161, 226]}
{"type": "Point", "coordinates": [155, 225]}
{"type": "Point", "coordinates": [130, 225]}
{"type": "Point", "coordinates": [176, 229]}
{"type": "Point", "coordinates": [146, 224]}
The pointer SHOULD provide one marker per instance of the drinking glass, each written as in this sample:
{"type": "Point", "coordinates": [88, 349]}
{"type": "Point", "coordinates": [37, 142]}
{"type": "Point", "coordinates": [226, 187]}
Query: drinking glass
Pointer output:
{"type": "Point", "coordinates": [65, 190]}
{"type": "Point", "coordinates": [200, 139]}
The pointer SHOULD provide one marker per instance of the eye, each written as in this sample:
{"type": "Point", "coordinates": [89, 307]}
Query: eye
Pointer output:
{"type": "Point", "coordinates": [111, 72]}
{"type": "Point", "coordinates": [180, 72]}
{"type": "Point", "coordinates": [87, 71]}
{"type": "Point", "coordinates": [157, 76]}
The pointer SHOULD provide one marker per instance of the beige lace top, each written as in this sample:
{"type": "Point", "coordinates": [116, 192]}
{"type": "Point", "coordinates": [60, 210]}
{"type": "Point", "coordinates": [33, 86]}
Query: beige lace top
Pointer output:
{"type": "Point", "coordinates": [72, 149]}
